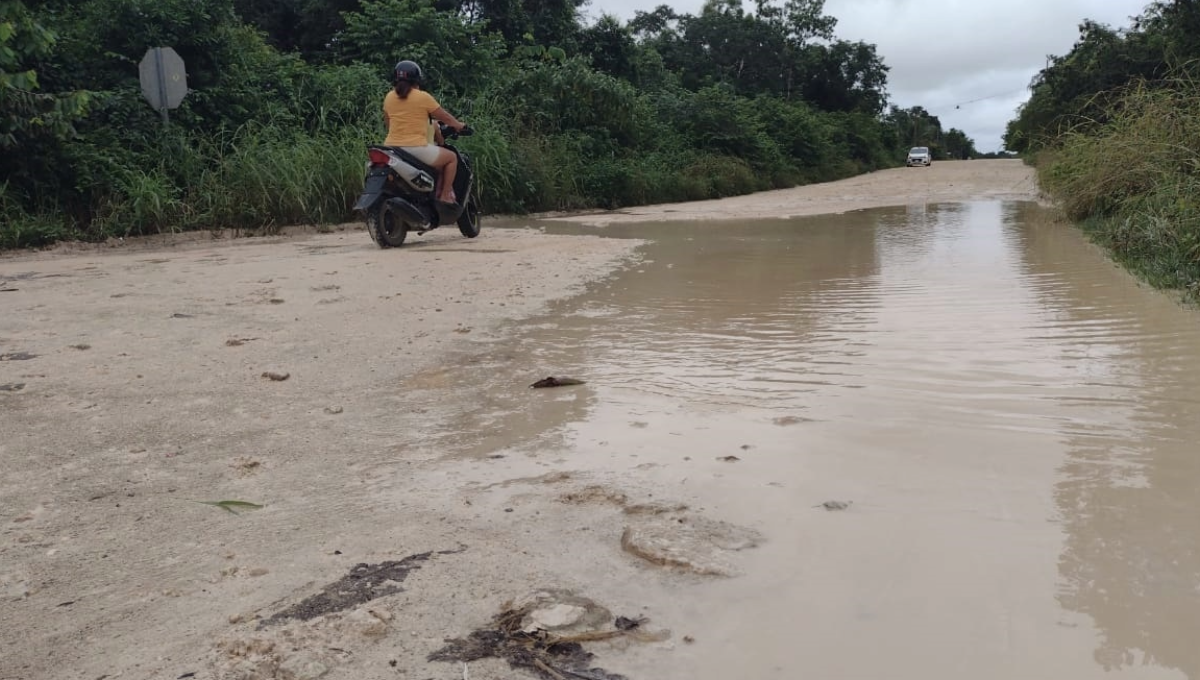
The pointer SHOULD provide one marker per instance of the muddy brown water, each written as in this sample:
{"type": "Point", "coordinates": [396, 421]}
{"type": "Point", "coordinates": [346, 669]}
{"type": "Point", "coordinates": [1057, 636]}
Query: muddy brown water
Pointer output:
{"type": "Point", "coordinates": [1014, 418]}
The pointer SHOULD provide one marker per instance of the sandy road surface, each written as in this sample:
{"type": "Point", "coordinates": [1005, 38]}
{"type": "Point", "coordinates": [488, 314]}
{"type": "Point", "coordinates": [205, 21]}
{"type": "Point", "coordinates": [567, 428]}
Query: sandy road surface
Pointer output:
{"type": "Point", "coordinates": [133, 385]}
{"type": "Point", "coordinates": [942, 181]}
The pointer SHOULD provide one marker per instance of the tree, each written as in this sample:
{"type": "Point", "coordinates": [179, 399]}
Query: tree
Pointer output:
{"type": "Point", "coordinates": [659, 24]}
{"type": "Point", "coordinates": [958, 145]}
{"type": "Point", "coordinates": [845, 76]}
{"type": "Point", "coordinates": [26, 112]}
{"type": "Point", "coordinates": [34, 123]}
{"type": "Point", "coordinates": [786, 50]}
{"type": "Point", "coordinates": [1076, 90]}
{"type": "Point", "coordinates": [915, 127]}
{"type": "Point", "coordinates": [304, 26]}
{"type": "Point", "coordinates": [610, 47]}
{"type": "Point", "coordinates": [725, 44]}
{"type": "Point", "coordinates": [805, 20]}
{"type": "Point", "coordinates": [547, 22]}
{"type": "Point", "coordinates": [457, 56]}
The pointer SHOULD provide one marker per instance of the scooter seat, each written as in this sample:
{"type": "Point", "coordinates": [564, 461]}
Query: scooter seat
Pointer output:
{"type": "Point", "coordinates": [407, 157]}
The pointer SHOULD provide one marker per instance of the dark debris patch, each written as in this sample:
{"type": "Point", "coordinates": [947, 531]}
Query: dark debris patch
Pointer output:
{"type": "Point", "coordinates": [626, 623]}
{"type": "Point", "coordinates": [364, 583]}
{"type": "Point", "coordinates": [548, 656]}
{"type": "Point", "coordinates": [556, 382]}
{"type": "Point", "coordinates": [548, 661]}
{"type": "Point", "coordinates": [17, 356]}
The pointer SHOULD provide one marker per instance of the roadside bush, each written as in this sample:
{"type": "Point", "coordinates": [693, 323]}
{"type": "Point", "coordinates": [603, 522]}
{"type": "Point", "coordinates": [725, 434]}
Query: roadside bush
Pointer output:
{"type": "Point", "coordinates": [21, 227]}
{"type": "Point", "coordinates": [1134, 181]}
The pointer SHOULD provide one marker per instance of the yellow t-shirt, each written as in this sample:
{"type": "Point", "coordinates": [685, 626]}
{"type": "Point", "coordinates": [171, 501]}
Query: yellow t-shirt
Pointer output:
{"type": "Point", "coordinates": [408, 118]}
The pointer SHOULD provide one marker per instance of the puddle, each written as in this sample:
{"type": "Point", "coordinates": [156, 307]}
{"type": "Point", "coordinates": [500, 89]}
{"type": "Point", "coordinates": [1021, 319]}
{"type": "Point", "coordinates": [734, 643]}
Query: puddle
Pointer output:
{"type": "Point", "coordinates": [1009, 420]}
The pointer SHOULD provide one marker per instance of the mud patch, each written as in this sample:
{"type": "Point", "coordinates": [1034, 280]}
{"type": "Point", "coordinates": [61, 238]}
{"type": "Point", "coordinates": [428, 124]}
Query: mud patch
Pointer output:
{"type": "Point", "coordinates": [17, 356]}
{"type": "Point", "coordinates": [548, 478]}
{"type": "Point", "coordinates": [246, 466]}
{"type": "Point", "coordinates": [602, 495]}
{"type": "Point", "coordinates": [693, 544]}
{"type": "Point", "coordinates": [653, 508]}
{"type": "Point", "coordinates": [30, 276]}
{"type": "Point", "coordinates": [594, 494]}
{"type": "Point", "coordinates": [364, 583]}
{"type": "Point", "coordinates": [318, 249]}
{"type": "Point", "coordinates": [784, 421]}
{"type": "Point", "coordinates": [545, 633]}
{"type": "Point", "coordinates": [12, 387]}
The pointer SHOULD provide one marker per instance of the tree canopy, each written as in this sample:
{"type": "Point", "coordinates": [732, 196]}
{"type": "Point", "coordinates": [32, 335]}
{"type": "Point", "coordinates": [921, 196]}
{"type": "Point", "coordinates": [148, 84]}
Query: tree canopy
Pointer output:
{"type": "Point", "coordinates": [1078, 88]}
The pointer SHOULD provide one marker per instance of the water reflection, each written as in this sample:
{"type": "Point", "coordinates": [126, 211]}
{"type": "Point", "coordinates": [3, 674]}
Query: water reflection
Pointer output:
{"type": "Point", "coordinates": [1129, 495]}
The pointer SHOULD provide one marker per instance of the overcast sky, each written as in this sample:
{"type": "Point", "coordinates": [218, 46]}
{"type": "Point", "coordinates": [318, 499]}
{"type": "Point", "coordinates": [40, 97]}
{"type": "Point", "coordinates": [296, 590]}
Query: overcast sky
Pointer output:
{"type": "Point", "coordinates": [945, 53]}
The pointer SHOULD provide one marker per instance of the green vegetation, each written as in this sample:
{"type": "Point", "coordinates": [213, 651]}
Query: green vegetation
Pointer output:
{"type": "Point", "coordinates": [285, 94]}
{"type": "Point", "coordinates": [1113, 127]}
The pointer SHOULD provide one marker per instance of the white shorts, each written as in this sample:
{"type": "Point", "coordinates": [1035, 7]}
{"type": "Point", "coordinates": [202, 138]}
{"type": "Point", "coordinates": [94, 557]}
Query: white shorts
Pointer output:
{"type": "Point", "coordinates": [427, 154]}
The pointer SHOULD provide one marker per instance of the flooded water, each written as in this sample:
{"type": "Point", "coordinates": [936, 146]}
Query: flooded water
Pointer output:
{"type": "Point", "coordinates": [1015, 420]}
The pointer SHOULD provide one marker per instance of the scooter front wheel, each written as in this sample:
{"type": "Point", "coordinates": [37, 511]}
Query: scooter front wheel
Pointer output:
{"type": "Point", "coordinates": [469, 222]}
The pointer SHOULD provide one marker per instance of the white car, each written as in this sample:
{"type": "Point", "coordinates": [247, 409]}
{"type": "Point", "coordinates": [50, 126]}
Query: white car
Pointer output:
{"type": "Point", "coordinates": [919, 155]}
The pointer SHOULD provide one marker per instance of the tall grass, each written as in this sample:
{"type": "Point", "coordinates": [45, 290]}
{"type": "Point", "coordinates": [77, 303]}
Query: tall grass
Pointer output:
{"type": "Point", "coordinates": [254, 178]}
{"type": "Point", "coordinates": [265, 179]}
{"type": "Point", "coordinates": [1134, 182]}
{"type": "Point", "coordinates": [21, 227]}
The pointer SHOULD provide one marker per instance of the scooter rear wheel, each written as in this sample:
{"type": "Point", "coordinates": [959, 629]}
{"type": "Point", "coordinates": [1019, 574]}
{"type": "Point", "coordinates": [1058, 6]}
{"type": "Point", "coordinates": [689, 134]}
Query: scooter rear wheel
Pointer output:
{"type": "Point", "coordinates": [384, 227]}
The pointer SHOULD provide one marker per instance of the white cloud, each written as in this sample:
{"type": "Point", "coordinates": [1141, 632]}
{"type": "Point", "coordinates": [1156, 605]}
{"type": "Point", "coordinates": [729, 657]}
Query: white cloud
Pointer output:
{"type": "Point", "coordinates": [948, 53]}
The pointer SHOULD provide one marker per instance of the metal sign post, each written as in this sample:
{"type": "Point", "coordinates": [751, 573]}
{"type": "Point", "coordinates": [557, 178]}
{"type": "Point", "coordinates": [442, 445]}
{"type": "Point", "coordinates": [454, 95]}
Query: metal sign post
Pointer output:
{"type": "Point", "coordinates": [164, 79]}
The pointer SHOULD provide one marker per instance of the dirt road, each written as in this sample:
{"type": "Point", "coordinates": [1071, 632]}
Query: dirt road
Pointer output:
{"type": "Point", "coordinates": [942, 181]}
{"type": "Point", "coordinates": [320, 378]}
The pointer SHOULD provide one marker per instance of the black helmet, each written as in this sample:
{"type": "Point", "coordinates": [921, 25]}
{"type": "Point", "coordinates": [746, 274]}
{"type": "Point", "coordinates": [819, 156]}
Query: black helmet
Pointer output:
{"type": "Point", "coordinates": [408, 70]}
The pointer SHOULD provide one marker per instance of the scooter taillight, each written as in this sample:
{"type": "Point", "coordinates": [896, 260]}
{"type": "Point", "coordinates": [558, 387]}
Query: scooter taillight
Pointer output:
{"type": "Point", "coordinates": [378, 157]}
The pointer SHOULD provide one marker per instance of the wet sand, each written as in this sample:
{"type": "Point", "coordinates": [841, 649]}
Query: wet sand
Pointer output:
{"type": "Point", "coordinates": [1006, 411]}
